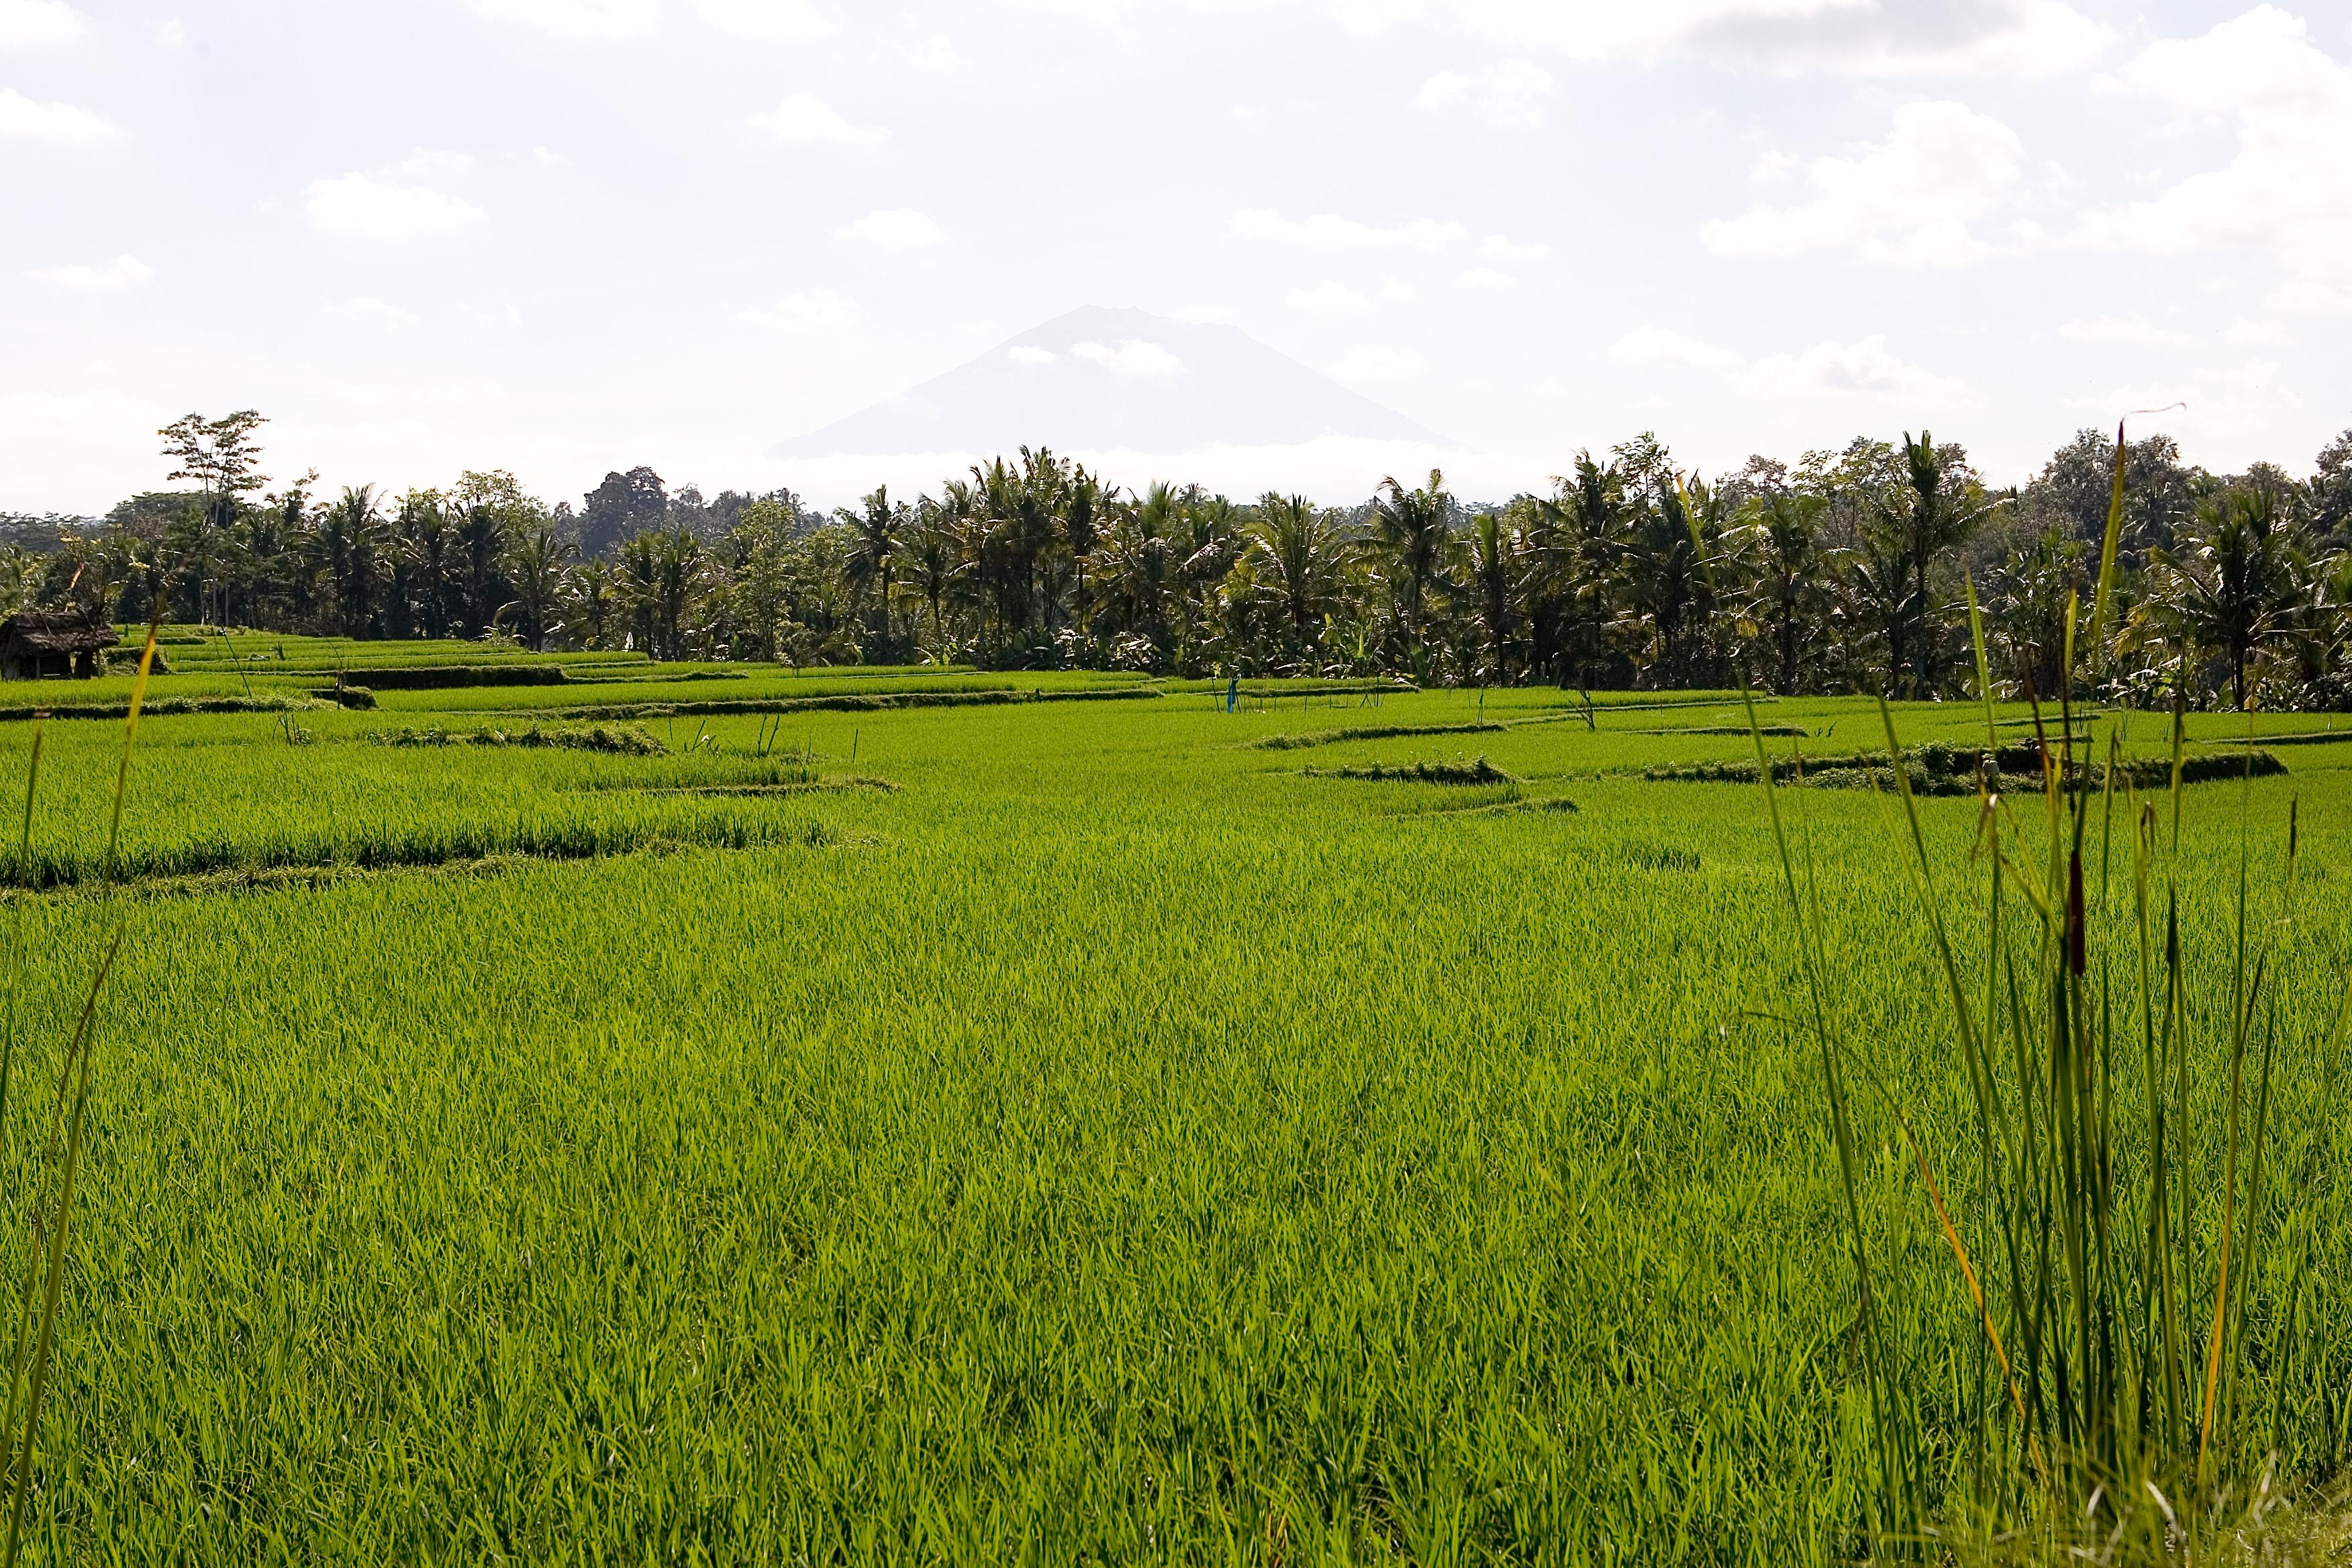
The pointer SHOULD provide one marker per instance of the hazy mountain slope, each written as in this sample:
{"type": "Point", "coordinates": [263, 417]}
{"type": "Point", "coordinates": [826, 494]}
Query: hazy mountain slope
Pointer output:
{"type": "Point", "coordinates": [1100, 379]}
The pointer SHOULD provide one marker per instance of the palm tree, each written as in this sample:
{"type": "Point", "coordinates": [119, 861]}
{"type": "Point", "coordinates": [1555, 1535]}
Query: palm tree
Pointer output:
{"type": "Point", "coordinates": [427, 556]}
{"type": "Point", "coordinates": [534, 565]}
{"type": "Point", "coordinates": [1664, 573]}
{"type": "Point", "coordinates": [930, 557]}
{"type": "Point", "coordinates": [481, 541]}
{"type": "Point", "coordinates": [679, 562]}
{"type": "Point", "coordinates": [872, 560]}
{"type": "Point", "coordinates": [637, 587]}
{"type": "Point", "coordinates": [348, 549]}
{"type": "Point", "coordinates": [2232, 588]}
{"type": "Point", "coordinates": [1412, 530]}
{"type": "Point", "coordinates": [1209, 543]}
{"type": "Point", "coordinates": [1939, 516]}
{"type": "Point", "coordinates": [1301, 553]}
{"type": "Point", "coordinates": [1576, 563]}
{"type": "Point", "coordinates": [1086, 504]}
{"type": "Point", "coordinates": [1872, 608]}
{"type": "Point", "coordinates": [1138, 565]}
{"type": "Point", "coordinates": [592, 602]}
{"type": "Point", "coordinates": [1780, 552]}
{"type": "Point", "coordinates": [2025, 599]}
{"type": "Point", "coordinates": [1492, 572]}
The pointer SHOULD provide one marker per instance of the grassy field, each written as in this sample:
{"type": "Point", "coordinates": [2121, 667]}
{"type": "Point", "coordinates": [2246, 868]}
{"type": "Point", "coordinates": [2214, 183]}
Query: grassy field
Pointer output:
{"type": "Point", "coordinates": [1038, 1131]}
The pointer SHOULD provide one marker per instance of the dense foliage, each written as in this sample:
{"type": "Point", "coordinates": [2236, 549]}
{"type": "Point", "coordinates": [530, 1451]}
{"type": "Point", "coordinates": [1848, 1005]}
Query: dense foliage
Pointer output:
{"type": "Point", "coordinates": [1847, 571]}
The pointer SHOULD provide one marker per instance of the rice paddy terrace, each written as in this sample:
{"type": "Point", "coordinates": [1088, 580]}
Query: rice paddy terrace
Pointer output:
{"type": "Point", "coordinates": [573, 1108]}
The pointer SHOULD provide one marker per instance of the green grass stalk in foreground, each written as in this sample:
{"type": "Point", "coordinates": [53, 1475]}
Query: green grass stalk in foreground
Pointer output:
{"type": "Point", "coordinates": [2099, 1420]}
{"type": "Point", "coordinates": [46, 1259]}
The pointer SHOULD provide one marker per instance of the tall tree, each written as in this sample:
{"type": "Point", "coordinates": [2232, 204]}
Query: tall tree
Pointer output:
{"type": "Point", "coordinates": [348, 549]}
{"type": "Point", "coordinates": [623, 506]}
{"type": "Point", "coordinates": [1411, 532]}
{"type": "Point", "coordinates": [1781, 561]}
{"type": "Point", "coordinates": [224, 459]}
{"type": "Point", "coordinates": [535, 568]}
{"type": "Point", "coordinates": [1301, 554]}
{"type": "Point", "coordinates": [2331, 494]}
{"type": "Point", "coordinates": [876, 529]}
{"type": "Point", "coordinates": [2232, 588]}
{"type": "Point", "coordinates": [1944, 506]}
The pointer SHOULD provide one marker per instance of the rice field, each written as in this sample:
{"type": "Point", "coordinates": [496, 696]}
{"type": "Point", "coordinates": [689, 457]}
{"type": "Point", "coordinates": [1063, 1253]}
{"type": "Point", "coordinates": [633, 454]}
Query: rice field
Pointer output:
{"type": "Point", "coordinates": [1358, 1127]}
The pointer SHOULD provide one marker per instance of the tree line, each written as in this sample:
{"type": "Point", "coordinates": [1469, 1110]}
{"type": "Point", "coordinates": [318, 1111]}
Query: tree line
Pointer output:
{"type": "Point", "coordinates": [1849, 570]}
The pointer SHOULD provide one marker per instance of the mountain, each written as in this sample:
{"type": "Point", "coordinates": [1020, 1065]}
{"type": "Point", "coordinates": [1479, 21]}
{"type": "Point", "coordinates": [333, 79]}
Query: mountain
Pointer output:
{"type": "Point", "coordinates": [1105, 380]}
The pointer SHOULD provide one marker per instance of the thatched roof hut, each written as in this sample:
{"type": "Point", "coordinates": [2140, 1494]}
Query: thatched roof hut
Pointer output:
{"type": "Point", "coordinates": [69, 642]}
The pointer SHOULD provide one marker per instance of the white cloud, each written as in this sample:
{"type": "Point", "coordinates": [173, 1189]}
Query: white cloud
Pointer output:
{"type": "Point", "coordinates": [804, 117]}
{"type": "Point", "coordinates": [935, 54]}
{"type": "Point", "coordinates": [1659, 345]}
{"type": "Point", "coordinates": [1913, 198]}
{"type": "Point", "coordinates": [169, 34]}
{"type": "Point", "coordinates": [1852, 37]}
{"type": "Point", "coordinates": [1865, 367]}
{"type": "Point", "coordinates": [2116, 329]}
{"type": "Point", "coordinates": [1499, 248]}
{"type": "Point", "coordinates": [426, 163]}
{"type": "Point", "coordinates": [1895, 37]}
{"type": "Point", "coordinates": [1329, 297]}
{"type": "Point", "coordinates": [894, 228]}
{"type": "Point", "coordinates": [2289, 189]}
{"type": "Point", "coordinates": [817, 309]}
{"type": "Point", "coordinates": [367, 310]}
{"type": "Point", "coordinates": [62, 125]}
{"type": "Point", "coordinates": [370, 206]}
{"type": "Point", "coordinates": [1487, 278]}
{"type": "Point", "coordinates": [1133, 356]}
{"type": "Point", "coordinates": [1329, 231]}
{"type": "Point", "coordinates": [2242, 405]}
{"type": "Point", "coordinates": [122, 272]}
{"type": "Point", "coordinates": [1510, 94]}
{"type": "Point", "coordinates": [2258, 334]}
{"type": "Point", "coordinates": [1372, 362]}
{"type": "Point", "coordinates": [1398, 291]}
{"type": "Point", "coordinates": [578, 18]}
{"type": "Point", "coordinates": [1030, 354]}
{"type": "Point", "coordinates": [776, 19]}
{"type": "Point", "coordinates": [26, 23]}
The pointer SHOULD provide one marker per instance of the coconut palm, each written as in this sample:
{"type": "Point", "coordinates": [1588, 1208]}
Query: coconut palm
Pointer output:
{"type": "Point", "coordinates": [1411, 532]}
{"type": "Point", "coordinates": [1938, 511]}
{"type": "Point", "coordinates": [2025, 598]}
{"type": "Point", "coordinates": [1575, 562]}
{"type": "Point", "coordinates": [2232, 588]}
{"type": "Point", "coordinates": [1301, 553]}
{"type": "Point", "coordinates": [1491, 571]}
{"type": "Point", "coordinates": [1667, 593]}
{"type": "Point", "coordinates": [928, 559]}
{"type": "Point", "coordinates": [1086, 505]}
{"type": "Point", "coordinates": [871, 562]}
{"type": "Point", "coordinates": [534, 568]}
{"type": "Point", "coordinates": [1782, 563]}
{"type": "Point", "coordinates": [592, 602]}
{"type": "Point", "coordinates": [1138, 564]}
{"type": "Point", "coordinates": [347, 550]}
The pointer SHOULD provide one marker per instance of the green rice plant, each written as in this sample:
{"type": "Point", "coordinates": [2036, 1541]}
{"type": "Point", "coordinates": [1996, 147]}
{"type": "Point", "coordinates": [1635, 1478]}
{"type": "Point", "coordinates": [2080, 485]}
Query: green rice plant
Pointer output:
{"type": "Point", "coordinates": [1461, 771]}
{"type": "Point", "coordinates": [32, 1348]}
{"type": "Point", "coordinates": [2108, 1269]}
{"type": "Point", "coordinates": [617, 740]}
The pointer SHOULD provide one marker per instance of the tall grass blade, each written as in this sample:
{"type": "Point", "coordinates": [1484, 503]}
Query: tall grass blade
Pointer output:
{"type": "Point", "coordinates": [2107, 551]}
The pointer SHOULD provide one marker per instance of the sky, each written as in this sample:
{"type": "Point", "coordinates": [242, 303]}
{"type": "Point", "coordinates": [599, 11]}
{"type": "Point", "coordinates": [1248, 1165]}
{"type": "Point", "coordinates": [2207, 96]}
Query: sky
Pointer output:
{"type": "Point", "coordinates": [564, 236]}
